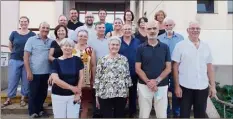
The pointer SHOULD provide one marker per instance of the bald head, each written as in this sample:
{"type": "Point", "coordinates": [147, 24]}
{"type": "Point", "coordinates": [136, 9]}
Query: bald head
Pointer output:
{"type": "Point", "coordinates": [89, 18]}
{"type": "Point", "coordinates": [152, 30]}
{"type": "Point", "coordinates": [62, 20]}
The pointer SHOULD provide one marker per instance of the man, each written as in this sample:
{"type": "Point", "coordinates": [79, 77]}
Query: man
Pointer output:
{"type": "Point", "coordinates": [193, 71]}
{"type": "Point", "coordinates": [128, 48]}
{"type": "Point", "coordinates": [89, 26]}
{"type": "Point", "coordinates": [73, 23]}
{"type": "Point", "coordinates": [102, 16]}
{"type": "Point", "coordinates": [62, 20]}
{"type": "Point", "coordinates": [171, 38]}
{"type": "Point", "coordinates": [153, 64]}
{"type": "Point", "coordinates": [37, 66]}
{"type": "Point", "coordinates": [100, 45]}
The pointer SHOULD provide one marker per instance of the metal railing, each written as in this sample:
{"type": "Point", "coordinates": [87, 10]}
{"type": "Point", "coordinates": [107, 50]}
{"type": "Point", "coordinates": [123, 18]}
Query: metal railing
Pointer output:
{"type": "Point", "coordinates": [224, 105]}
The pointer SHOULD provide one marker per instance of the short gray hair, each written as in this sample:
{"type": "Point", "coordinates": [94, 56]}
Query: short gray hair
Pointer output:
{"type": "Point", "coordinates": [114, 38]}
{"type": "Point", "coordinates": [67, 41]}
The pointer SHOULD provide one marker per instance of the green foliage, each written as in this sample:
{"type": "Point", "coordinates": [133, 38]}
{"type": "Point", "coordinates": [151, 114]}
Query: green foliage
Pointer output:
{"type": "Point", "coordinates": [224, 93]}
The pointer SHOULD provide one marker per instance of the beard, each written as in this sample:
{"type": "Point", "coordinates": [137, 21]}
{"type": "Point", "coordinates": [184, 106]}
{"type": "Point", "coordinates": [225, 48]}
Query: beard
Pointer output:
{"type": "Point", "coordinates": [154, 37]}
{"type": "Point", "coordinates": [169, 31]}
{"type": "Point", "coordinates": [89, 24]}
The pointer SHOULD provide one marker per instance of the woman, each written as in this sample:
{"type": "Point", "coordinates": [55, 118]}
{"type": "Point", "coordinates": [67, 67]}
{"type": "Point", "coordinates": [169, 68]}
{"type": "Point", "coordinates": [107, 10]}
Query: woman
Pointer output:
{"type": "Point", "coordinates": [141, 33]}
{"type": "Point", "coordinates": [160, 16]}
{"type": "Point", "coordinates": [128, 19]}
{"type": "Point", "coordinates": [88, 57]}
{"type": "Point", "coordinates": [55, 51]}
{"type": "Point", "coordinates": [112, 81]}
{"type": "Point", "coordinates": [118, 24]}
{"type": "Point", "coordinates": [67, 75]}
{"type": "Point", "coordinates": [16, 65]}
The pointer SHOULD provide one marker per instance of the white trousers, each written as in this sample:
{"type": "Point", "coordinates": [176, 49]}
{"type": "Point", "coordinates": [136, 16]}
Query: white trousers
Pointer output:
{"type": "Point", "coordinates": [145, 98]}
{"type": "Point", "coordinates": [63, 107]}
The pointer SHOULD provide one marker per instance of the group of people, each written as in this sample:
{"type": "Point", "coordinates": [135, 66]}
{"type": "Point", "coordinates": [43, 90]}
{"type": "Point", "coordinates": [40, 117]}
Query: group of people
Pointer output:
{"type": "Point", "coordinates": [110, 66]}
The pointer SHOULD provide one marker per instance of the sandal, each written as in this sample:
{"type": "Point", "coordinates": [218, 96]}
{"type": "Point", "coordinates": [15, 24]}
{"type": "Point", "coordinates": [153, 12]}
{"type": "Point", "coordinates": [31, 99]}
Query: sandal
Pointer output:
{"type": "Point", "coordinates": [22, 103]}
{"type": "Point", "coordinates": [8, 102]}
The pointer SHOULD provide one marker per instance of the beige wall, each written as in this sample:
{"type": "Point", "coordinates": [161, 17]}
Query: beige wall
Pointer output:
{"type": "Point", "coordinates": [9, 20]}
{"type": "Point", "coordinates": [216, 28]}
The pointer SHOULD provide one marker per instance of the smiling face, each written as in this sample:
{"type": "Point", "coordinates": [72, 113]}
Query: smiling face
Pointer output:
{"type": "Point", "coordinates": [194, 30]}
{"type": "Point", "coordinates": [62, 20]}
{"type": "Point", "coordinates": [127, 30]}
{"type": "Point", "coordinates": [44, 29]}
{"type": "Point", "coordinates": [82, 37]}
{"type": "Point", "coordinates": [23, 22]}
{"type": "Point", "coordinates": [100, 28]}
{"type": "Point", "coordinates": [67, 46]}
{"type": "Point", "coordinates": [114, 46]}
{"type": "Point", "coordinates": [169, 25]}
{"type": "Point", "coordinates": [89, 19]}
{"type": "Point", "coordinates": [102, 15]}
{"type": "Point", "coordinates": [61, 33]}
{"type": "Point", "coordinates": [118, 24]}
{"type": "Point", "coordinates": [74, 15]}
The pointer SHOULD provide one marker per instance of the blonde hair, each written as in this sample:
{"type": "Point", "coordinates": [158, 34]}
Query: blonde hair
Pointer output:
{"type": "Point", "coordinates": [160, 11]}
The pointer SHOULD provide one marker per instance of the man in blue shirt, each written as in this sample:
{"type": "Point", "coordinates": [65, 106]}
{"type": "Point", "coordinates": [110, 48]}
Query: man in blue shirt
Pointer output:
{"type": "Point", "coordinates": [37, 65]}
{"type": "Point", "coordinates": [102, 16]}
{"type": "Point", "coordinates": [171, 39]}
{"type": "Point", "coordinates": [128, 48]}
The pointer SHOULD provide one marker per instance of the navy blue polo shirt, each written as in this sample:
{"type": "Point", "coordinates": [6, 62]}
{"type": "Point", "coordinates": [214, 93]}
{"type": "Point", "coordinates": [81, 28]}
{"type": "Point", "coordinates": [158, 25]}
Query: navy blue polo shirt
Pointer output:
{"type": "Point", "coordinates": [153, 60]}
{"type": "Point", "coordinates": [129, 51]}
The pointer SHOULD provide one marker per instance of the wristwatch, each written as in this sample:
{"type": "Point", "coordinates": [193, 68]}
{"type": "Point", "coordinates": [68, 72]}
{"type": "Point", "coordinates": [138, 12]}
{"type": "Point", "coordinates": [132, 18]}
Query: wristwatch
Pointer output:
{"type": "Point", "coordinates": [158, 80]}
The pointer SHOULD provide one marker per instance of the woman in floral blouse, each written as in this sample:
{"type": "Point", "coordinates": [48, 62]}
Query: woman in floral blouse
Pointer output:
{"type": "Point", "coordinates": [112, 81]}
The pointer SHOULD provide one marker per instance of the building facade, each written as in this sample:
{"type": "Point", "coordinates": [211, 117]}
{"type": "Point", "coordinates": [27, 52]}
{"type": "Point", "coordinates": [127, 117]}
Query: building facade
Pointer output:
{"type": "Point", "coordinates": [215, 18]}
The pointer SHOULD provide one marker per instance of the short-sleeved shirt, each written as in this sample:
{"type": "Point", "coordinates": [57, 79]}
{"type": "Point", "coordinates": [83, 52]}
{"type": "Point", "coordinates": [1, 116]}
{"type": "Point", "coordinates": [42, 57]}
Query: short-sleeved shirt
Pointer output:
{"type": "Point", "coordinates": [71, 25]}
{"type": "Point", "coordinates": [57, 49]}
{"type": "Point", "coordinates": [140, 37]}
{"type": "Point", "coordinates": [100, 47]}
{"type": "Point", "coordinates": [171, 42]}
{"type": "Point", "coordinates": [18, 42]}
{"type": "Point", "coordinates": [129, 51]}
{"type": "Point", "coordinates": [108, 27]}
{"type": "Point", "coordinates": [68, 71]}
{"type": "Point", "coordinates": [192, 64]}
{"type": "Point", "coordinates": [153, 60]}
{"type": "Point", "coordinates": [39, 53]}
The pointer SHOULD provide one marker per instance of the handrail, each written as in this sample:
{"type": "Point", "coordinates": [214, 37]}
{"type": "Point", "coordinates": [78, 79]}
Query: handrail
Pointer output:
{"type": "Point", "coordinates": [223, 102]}
{"type": "Point", "coordinates": [224, 105]}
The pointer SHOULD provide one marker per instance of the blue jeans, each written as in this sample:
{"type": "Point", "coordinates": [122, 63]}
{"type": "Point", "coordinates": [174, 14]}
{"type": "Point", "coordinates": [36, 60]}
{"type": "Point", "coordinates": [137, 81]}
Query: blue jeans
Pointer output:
{"type": "Point", "coordinates": [175, 100]}
{"type": "Point", "coordinates": [16, 71]}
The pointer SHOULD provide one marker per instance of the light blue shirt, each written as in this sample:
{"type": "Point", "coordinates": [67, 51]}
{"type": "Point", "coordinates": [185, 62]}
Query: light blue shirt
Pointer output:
{"type": "Point", "coordinates": [171, 42]}
{"type": "Point", "coordinates": [39, 53]}
{"type": "Point", "coordinates": [100, 47]}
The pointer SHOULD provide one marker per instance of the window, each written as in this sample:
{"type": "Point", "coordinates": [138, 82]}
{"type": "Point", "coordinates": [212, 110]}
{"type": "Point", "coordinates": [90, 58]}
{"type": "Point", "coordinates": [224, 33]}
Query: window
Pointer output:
{"type": "Point", "coordinates": [230, 6]}
{"type": "Point", "coordinates": [114, 10]}
{"type": "Point", "coordinates": [205, 6]}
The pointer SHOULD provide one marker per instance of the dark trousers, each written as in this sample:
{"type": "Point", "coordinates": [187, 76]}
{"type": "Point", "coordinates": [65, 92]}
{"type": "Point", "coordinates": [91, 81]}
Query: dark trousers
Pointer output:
{"type": "Point", "coordinates": [133, 96]}
{"type": "Point", "coordinates": [113, 107]}
{"type": "Point", "coordinates": [38, 89]}
{"type": "Point", "coordinates": [96, 111]}
{"type": "Point", "coordinates": [197, 98]}
{"type": "Point", "coordinates": [175, 100]}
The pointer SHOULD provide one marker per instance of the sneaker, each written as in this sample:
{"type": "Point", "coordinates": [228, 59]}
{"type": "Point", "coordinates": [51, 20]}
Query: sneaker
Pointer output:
{"type": "Point", "coordinates": [43, 114]}
{"type": "Point", "coordinates": [34, 116]}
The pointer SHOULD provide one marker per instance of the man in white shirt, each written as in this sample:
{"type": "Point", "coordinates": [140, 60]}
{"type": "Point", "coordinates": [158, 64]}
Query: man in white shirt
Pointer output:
{"type": "Point", "coordinates": [193, 71]}
{"type": "Point", "coordinates": [89, 26]}
{"type": "Point", "coordinates": [62, 20]}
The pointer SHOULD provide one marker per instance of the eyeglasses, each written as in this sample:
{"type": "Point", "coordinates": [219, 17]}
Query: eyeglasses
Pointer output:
{"type": "Point", "coordinates": [129, 29]}
{"type": "Point", "coordinates": [195, 28]}
{"type": "Point", "coordinates": [154, 28]}
{"type": "Point", "coordinates": [169, 25]}
{"type": "Point", "coordinates": [89, 17]}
